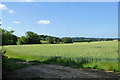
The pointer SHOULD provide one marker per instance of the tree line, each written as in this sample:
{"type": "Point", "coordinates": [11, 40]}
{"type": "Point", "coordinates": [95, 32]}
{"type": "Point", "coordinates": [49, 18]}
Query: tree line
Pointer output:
{"type": "Point", "coordinates": [83, 39]}
{"type": "Point", "coordinates": [8, 38]}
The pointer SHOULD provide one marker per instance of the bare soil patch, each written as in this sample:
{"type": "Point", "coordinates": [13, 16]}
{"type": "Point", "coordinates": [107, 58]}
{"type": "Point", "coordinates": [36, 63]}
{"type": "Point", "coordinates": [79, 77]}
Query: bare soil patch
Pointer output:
{"type": "Point", "coordinates": [57, 71]}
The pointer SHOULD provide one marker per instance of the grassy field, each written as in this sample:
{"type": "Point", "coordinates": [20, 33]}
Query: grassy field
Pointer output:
{"type": "Point", "coordinates": [44, 42]}
{"type": "Point", "coordinates": [94, 50]}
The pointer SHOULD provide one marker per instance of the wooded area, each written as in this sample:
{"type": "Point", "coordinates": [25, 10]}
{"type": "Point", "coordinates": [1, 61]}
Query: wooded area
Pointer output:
{"type": "Point", "coordinates": [8, 38]}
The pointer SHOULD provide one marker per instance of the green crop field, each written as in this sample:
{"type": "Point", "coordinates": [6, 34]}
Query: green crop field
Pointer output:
{"type": "Point", "coordinates": [95, 50]}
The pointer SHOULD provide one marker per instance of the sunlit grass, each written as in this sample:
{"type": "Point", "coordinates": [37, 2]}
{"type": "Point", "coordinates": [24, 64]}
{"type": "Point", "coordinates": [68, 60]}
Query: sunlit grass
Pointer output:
{"type": "Point", "coordinates": [100, 50]}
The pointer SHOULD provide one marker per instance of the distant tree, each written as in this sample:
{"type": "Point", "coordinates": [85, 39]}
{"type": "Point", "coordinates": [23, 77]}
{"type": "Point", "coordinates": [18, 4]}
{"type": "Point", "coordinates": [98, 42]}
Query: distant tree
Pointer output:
{"type": "Point", "coordinates": [109, 39]}
{"type": "Point", "coordinates": [67, 40]}
{"type": "Point", "coordinates": [89, 40]}
{"type": "Point", "coordinates": [58, 40]}
{"type": "Point", "coordinates": [43, 37]}
{"type": "Point", "coordinates": [54, 40]}
{"type": "Point", "coordinates": [50, 40]}
{"type": "Point", "coordinates": [32, 38]}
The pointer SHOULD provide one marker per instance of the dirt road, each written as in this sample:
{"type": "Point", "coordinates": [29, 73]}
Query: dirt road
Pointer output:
{"type": "Point", "coordinates": [57, 71]}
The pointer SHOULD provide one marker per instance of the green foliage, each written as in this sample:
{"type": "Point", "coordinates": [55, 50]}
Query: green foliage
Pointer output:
{"type": "Point", "coordinates": [8, 38]}
{"type": "Point", "coordinates": [109, 39]}
{"type": "Point", "coordinates": [10, 63]}
{"type": "Point", "coordinates": [67, 61]}
{"type": "Point", "coordinates": [43, 37]}
{"type": "Point", "coordinates": [83, 39]}
{"type": "Point", "coordinates": [67, 40]}
{"type": "Point", "coordinates": [24, 40]}
{"type": "Point", "coordinates": [89, 40]}
{"type": "Point", "coordinates": [52, 40]}
{"type": "Point", "coordinates": [19, 42]}
{"type": "Point", "coordinates": [30, 38]}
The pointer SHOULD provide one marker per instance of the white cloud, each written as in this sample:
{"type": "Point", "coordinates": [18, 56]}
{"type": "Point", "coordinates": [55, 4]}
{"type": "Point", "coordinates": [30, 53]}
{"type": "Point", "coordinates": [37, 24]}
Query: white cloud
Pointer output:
{"type": "Point", "coordinates": [9, 27]}
{"type": "Point", "coordinates": [3, 7]}
{"type": "Point", "coordinates": [11, 11]}
{"type": "Point", "coordinates": [16, 22]}
{"type": "Point", "coordinates": [43, 22]}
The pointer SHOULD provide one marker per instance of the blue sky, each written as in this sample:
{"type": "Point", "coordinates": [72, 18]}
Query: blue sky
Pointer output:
{"type": "Point", "coordinates": [70, 19]}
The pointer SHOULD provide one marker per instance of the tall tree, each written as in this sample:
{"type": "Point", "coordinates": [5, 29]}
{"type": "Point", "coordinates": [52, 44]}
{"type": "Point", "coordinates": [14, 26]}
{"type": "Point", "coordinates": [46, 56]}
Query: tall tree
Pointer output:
{"type": "Point", "coordinates": [30, 38]}
{"type": "Point", "coordinates": [8, 38]}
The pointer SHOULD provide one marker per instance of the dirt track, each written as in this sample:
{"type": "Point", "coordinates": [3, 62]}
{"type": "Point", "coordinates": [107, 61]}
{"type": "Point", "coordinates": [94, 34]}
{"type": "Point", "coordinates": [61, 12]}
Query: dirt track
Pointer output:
{"type": "Point", "coordinates": [57, 71]}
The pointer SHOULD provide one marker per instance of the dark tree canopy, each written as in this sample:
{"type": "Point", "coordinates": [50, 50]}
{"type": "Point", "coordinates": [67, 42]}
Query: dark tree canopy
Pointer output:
{"type": "Point", "coordinates": [8, 38]}
{"type": "Point", "coordinates": [30, 38]}
{"type": "Point", "coordinates": [67, 40]}
{"type": "Point", "coordinates": [50, 40]}
{"type": "Point", "coordinates": [53, 40]}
